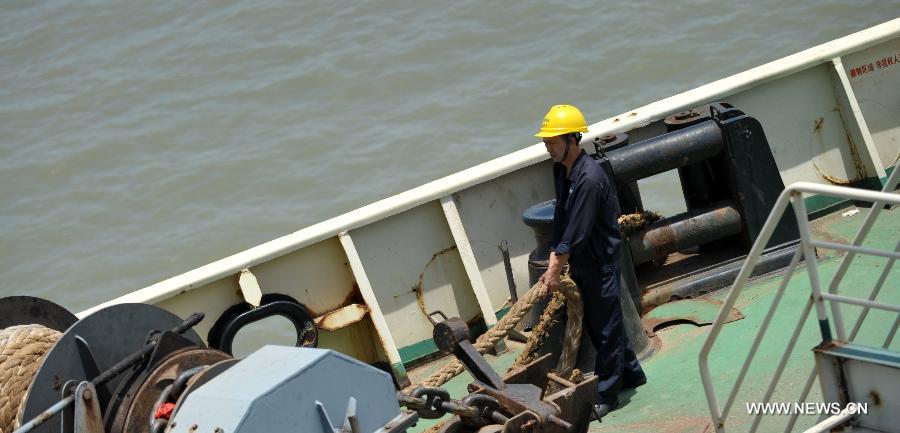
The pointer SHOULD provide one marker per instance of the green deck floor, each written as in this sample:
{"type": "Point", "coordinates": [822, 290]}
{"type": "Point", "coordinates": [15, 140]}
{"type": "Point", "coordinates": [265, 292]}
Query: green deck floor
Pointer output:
{"type": "Point", "coordinates": [673, 399]}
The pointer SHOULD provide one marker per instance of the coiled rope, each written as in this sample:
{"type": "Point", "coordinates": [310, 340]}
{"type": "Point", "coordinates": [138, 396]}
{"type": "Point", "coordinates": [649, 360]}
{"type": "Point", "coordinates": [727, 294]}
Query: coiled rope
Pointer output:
{"type": "Point", "coordinates": [22, 351]}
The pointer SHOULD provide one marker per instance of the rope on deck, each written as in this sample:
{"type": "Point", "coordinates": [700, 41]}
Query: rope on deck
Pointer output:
{"type": "Point", "coordinates": [22, 351]}
{"type": "Point", "coordinates": [569, 295]}
{"type": "Point", "coordinates": [490, 338]}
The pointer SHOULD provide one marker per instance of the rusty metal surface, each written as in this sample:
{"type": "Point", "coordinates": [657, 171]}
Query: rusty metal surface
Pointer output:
{"type": "Point", "coordinates": [88, 417]}
{"type": "Point", "coordinates": [203, 377]}
{"type": "Point", "coordinates": [120, 350]}
{"type": "Point", "coordinates": [523, 402]}
{"type": "Point", "coordinates": [342, 317]}
{"type": "Point", "coordinates": [575, 403]}
{"type": "Point", "coordinates": [508, 404]}
{"type": "Point", "coordinates": [417, 289]}
{"type": "Point", "coordinates": [651, 325]}
{"type": "Point", "coordinates": [525, 422]}
{"type": "Point", "coordinates": [449, 333]}
{"type": "Point", "coordinates": [140, 400]}
{"type": "Point", "coordinates": [524, 397]}
{"type": "Point", "coordinates": [535, 372]}
{"type": "Point", "coordinates": [452, 335]}
{"type": "Point", "coordinates": [684, 231]}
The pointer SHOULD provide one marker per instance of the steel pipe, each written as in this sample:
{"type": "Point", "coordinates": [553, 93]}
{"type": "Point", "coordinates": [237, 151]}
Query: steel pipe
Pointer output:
{"type": "Point", "coordinates": [665, 152]}
{"type": "Point", "coordinates": [685, 231]}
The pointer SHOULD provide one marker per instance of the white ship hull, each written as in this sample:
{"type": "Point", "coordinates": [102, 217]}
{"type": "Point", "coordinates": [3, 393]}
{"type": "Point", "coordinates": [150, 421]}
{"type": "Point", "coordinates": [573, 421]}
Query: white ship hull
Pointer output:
{"type": "Point", "coordinates": [831, 115]}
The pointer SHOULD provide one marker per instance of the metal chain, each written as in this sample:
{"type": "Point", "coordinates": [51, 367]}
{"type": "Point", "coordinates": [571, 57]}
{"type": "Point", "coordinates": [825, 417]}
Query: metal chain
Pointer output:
{"type": "Point", "coordinates": [433, 403]}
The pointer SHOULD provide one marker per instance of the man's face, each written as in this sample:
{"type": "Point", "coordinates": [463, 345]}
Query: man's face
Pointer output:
{"type": "Point", "coordinates": [556, 147]}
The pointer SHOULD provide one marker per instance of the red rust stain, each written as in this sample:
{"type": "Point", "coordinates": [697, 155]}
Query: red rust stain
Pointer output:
{"type": "Point", "coordinates": [417, 289]}
{"type": "Point", "coordinates": [818, 128]}
{"type": "Point", "coordinates": [829, 178]}
{"type": "Point", "coordinates": [876, 399]}
{"type": "Point", "coordinates": [354, 297]}
{"type": "Point", "coordinates": [662, 239]}
{"type": "Point", "coordinates": [826, 345]}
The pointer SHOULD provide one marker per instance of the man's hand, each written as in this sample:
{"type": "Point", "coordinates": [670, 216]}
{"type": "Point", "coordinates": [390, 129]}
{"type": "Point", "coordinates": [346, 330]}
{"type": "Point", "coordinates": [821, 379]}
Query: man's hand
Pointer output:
{"type": "Point", "coordinates": [549, 282]}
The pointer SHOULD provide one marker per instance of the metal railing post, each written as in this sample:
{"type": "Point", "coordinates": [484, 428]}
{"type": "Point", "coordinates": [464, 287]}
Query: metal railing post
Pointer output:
{"type": "Point", "coordinates": [752, 257]}
{"type": "Point", "coordinates": [794, 195]}
{"type": "Point", "coordinates": [813, 269]}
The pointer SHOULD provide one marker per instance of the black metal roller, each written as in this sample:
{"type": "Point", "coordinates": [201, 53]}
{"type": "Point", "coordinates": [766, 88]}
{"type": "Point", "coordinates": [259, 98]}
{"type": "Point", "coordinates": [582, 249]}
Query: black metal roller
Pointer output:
{"type": "Point", "coordinates": [448, 334]}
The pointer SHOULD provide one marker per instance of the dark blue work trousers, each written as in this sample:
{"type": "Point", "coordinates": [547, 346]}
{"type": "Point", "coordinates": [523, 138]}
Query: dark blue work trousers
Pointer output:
{"type": "Point", "coordinates": [616, 362]}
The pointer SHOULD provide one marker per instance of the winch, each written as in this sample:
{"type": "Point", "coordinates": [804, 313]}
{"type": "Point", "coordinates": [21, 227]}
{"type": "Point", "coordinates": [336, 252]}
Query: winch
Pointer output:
{"type": "Point", "coordinates": [138, 368]}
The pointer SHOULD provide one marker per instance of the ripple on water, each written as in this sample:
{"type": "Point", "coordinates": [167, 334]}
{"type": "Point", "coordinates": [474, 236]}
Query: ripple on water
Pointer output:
{"type": "Point", "coordinates": [140, 140]}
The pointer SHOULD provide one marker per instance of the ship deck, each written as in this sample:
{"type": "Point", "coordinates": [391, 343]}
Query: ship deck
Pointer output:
{"type": "Point", "coordinates": [673, 400]}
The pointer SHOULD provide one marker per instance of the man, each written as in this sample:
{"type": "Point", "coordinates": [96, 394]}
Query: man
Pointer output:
{"type": "Point", "coordinates": [586, 237]}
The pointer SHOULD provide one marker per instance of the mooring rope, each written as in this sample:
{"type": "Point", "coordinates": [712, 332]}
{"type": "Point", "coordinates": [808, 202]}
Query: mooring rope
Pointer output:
{"type": "Point", "coordinates": [574, 316]}
{"type": "Point", "coordinates": [490, 338]}
{"type": "Point", "coordinates": [486, 341]}
{"type": "Point", "coordinates": [22, 351]}
{"type": "Point", "coordinates": [567, 295]}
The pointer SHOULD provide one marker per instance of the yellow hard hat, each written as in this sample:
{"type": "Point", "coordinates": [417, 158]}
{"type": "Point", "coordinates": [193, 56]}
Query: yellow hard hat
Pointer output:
{"type": "Point", "coordinates": [562, 119]}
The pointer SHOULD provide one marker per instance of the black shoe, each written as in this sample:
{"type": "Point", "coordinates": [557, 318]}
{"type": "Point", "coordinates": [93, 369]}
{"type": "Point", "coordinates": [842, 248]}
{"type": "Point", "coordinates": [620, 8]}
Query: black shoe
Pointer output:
{"type": "Point", "coordinates": [629, 384]}
{"type": "Point", "coordinates": [602, 409]}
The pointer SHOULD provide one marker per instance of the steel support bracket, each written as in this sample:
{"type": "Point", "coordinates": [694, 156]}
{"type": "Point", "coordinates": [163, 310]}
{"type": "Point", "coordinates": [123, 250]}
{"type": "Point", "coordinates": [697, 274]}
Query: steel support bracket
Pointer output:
{"type": "Point", "coordinates": [88, 418]}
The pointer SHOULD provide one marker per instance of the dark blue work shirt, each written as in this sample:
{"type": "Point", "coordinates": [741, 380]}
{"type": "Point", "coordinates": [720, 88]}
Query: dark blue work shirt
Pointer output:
{"type": "Point", "coordinates": [585, 221]}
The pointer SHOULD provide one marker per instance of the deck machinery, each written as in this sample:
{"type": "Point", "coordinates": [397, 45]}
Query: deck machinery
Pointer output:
{"type": "Point", "coordinates": [137, 368]}
{"type": "Point", "coordinates": [730, 182]}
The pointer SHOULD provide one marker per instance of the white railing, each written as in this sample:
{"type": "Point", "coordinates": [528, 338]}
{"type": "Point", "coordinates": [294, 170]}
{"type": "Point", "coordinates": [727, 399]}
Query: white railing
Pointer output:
{"type": "Point", "coordinates": [794, 195]}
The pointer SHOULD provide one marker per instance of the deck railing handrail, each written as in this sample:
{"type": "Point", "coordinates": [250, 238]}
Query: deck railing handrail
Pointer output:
{"type": "Point", "coordinates": [793, 195]}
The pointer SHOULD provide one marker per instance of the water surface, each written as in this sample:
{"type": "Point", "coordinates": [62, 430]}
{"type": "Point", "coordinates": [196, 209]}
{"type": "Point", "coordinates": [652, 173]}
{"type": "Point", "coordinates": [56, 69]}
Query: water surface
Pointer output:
{"type": "Point", "coordinates": [139, 140]}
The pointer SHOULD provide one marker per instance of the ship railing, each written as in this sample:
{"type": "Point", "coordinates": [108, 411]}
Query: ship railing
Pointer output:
{"type": "Point", "coordinates": [794, 195]}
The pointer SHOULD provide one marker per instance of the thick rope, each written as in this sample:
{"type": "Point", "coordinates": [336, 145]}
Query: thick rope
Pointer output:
{"type": "Point", "coordinates": [567, 295]}
{"type": "Point", "coordinates": [551, 315]}
{"type": "Point", "coordinates": [489, 339]}
{"type": "Point", "coordinates": [575, 314]}
{"type": "Point", "coordinates": [22, 351]}
{"type": "Point", "coordinates": [570, 297]}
